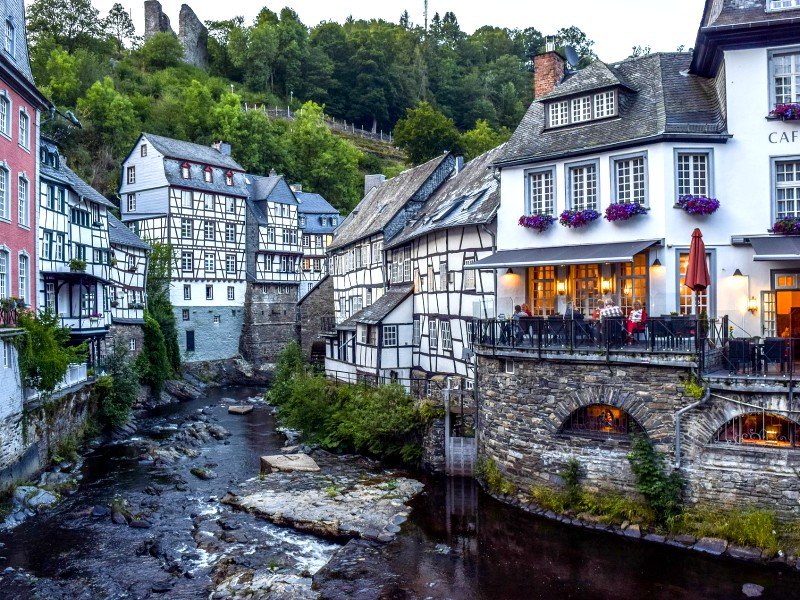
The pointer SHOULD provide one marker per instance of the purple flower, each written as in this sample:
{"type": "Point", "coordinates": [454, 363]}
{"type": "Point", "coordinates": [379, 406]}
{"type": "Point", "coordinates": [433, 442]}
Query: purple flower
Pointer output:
{"type": "Point", "coordinates": [787, 226]}
{"type": "Point", "coordinates": [622, 211]}
{"type": "Point", "coordinates": [698, 205]}
{"type": "Point", "coordinates": [578, 218]}
{"type": "Point", "coordinates": [787, 112]}
{"type": "Point", "coordinates": [538, 222]}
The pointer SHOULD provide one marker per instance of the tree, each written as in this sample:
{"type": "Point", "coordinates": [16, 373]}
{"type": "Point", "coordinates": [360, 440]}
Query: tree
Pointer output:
{"type": "Point", "coordinates": [573, 36]}
{"type": "Point", "coordinates": [161, 51]}
{"type": "Point", "coordinates": [108, 115]}
{"type": "Point", "coordinates": [118, 397]}
{"type": "Point", "coordinates": [119, 25]}
{"type": "Point", "coordinates": [69, 23]}
{"type": "Point", "coordinates": [159, 306]}
{"type": "Point", "coordinates": [59, 80]}
{"type": "Point", "coordinates": [197, 106]}
{"type": "Point", "coordinates": [482, 138]}
{"type": "Point", "coordinates": [425, 133]}
{"type": "Point", "coordinates": [152, 364]}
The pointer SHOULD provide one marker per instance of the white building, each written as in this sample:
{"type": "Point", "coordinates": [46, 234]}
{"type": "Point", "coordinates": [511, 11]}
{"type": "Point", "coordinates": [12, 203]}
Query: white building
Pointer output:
{"type": "Point", "coordinates": [193, 197]}
{"type": "Point", "coordinates": [650, 130]}
{"type": "Point", "coordinates": [317, 220]}
{"type": "Point", "coordinates": [74, 251]}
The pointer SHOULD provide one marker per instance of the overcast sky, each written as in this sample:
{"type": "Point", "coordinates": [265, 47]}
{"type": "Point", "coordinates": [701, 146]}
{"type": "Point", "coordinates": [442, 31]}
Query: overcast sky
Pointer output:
{"type": "Point", "coordinates": [614, 25]}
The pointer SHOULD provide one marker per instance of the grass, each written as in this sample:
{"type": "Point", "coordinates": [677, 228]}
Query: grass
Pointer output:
{"type": "Point", "coordinates": [744, 527]}
{"type": "Point", "coordinates": [610, 508]}
{"type": "Point", "coordinates": [488, 471]}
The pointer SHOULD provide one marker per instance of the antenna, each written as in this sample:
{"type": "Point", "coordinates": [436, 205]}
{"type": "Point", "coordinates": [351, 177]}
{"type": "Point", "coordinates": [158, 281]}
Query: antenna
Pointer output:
{"type": "Point", "coordinates": [572, 56]}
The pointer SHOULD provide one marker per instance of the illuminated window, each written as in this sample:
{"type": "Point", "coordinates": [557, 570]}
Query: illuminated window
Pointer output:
{"type": "Point", "coordinates": [633, 282]}
{"type": "Point", "coordinates": [542, 290]}
{"type": "Point", "coordinates": [760, 429]}
{"type": "Point", "coordinates": [686, 304]}
{"type": "Point", "coordinates": [600, 420]}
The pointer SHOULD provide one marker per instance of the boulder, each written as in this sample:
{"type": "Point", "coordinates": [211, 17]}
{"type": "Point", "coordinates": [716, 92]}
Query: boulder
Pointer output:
{"type": "Point", "coordinates": [203, 473]}
{"type": "Point", "coordinates": [240, 409]}
{"type": "Point", "coordinates": [709, 545]}
{"type": "Point", "coordinates": [288, 462]}
{"type": "Point", "coordinates": [752, 590]}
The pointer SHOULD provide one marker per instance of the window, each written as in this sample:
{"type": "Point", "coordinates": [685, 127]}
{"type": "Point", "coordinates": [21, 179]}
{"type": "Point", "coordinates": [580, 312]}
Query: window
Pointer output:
{"type": "Point", "coordinates": [217, 319]}
{"type": "Point", "coordinates": [231, 293]}
{"type": "Point", "coordinates": [95, 209]}
{"type": "Point", "coordinates": [542, 286]}
{"type": "Point", "coordinates": [50, 297]}
{"type": "Point", "coordinates": [24, 130]}
{"type": "Point", "coordinates": [582, 109]}
{"type": "Point", "coordinates": [185, 170]}
{"type": "Point", "coordinates": [9, 41]}
{"type": "Point", "coordinates": [431, 280]}
{"type": "Point", "coordinates": [376, 250]}
{"type": "Point", "coordinates": [209, 292]}
{"type": "Point", "coordinates": [47, 244]}
{"type": "Point", "coordinates": [290, 237]}
{"type": "Point", "coordinates": [186, 228]}
{"type": "Point", "coordinates": [541, 199]}
{"type": "Point", "coordinates": [787, 188]}
{"type": "Point", "coordinates": [5, 275]}
{"type": "Point", "coordinates": [5, 203]}
{"type": "Point", "coordinates": [306, 241]}
{"type": "Point", "coordinates": [79, 217]}
{"type": "Point", "coordinates": [583, 187]}
{"type": "Point", "coordinates": [185, 314]}
{"type": "Point", "coordinates": [508, 366]}
{"type": "Point", "coordinates": [633, 282]}
{"type": "Point", "coordinates": [143, 150]}
{"type": "Point", "coordinates": [759, 429]}
{"type": "Point", "coordinates": [230, 205]}
{"type": "Point", "coordinates": [209, 262]}
{"type": "Point", "coordinates": [230, 265]}
{"type": "Point", "coordinates": [390, 335]}
{"type": "Point", "coordinates": [6, 354]}
{"type": "Point", "coordinates": [131, 202]}
{"type": "Point", "coordinates": [433, 334]}
{"type": "Point", "coordinates": [208, 230]}
{"type": "Point", "coordinates": [187, 291]}
{"type": "Point", "coordinates": [604, 104]}
{"type": "Point", "coordinates": [558, 113]}
{"type": "Point", "coordinates": [208, 175]}
{"type": "Point", "coordinates": [80, 251]}
{"type": "Point", "coordinates": [5, 115]}
{"type": "Point", "coordinates": [686, 299]}
{"type": "Point", "coordinates": [186, 199]}
{"type": "Point", "coordinates": [693, 170]}
{"type": "Point", "coordinates": [131, 178]}
{"type": "Point", "coordinates": [630, 180]}
{"type": "Point", "coordinates": [61, 243]}
{"type": "Point", "coordinates": [270, 235]}
{"type": "Point", "coordinates": [372, 335]}
{"type": "Point", "coordinates": [362, 330]}
{"type": "Point", "coordinates": [306, 264]}
{"type": "Point", "coordinates": [23, 205]}
{"type": "Point", "coordinates": [783, 4]}
{"type": "Point", "coordinates": [333, 221]}
{"type": "Point", "coordinates": [186, 261]}
{"type": "Point", "coordinates": [229, 178]}
{"type": "Point", "coordinates": [415, 333]}
{"type": "Point", "coordinates": [230, 232]}
{"type": "Point", "coordinates": [444, 278]}
{"type": "Point", "coordinates": [447, 336]}
{"type": "Point", "coordinates": [600, 420]}
{"type": "Point", "coordinates": [469, 275]}
{"type": "Point", "coordinates": [208, 201]}
{"type": "Point", "coordinates": [190, 341]}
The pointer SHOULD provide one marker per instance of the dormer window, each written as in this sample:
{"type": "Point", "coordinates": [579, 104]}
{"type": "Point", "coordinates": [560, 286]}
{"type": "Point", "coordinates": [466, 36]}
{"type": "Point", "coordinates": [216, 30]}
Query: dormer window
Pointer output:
{"type": "Point", "coordinates": [9, 40]}
{"type": "Point", "coordinates": [333, 221]}
{"type": "Point", "coordinates": [229, 178]}
{"type": "Point", "coordinates": [207, 175]}
{"type": "Point", "coordinates": [782, 4]}
{"type": "Point", "coordinates": [581, 109]}
{"type": "Point", "coordinates": [185, 170]}
{"type": "Point", "coordinates": [323, 221]}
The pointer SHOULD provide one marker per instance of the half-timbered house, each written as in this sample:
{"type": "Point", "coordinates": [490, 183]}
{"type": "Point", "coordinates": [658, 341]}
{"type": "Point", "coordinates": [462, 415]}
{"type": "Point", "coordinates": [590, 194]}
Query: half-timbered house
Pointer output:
{"type": "Point", "coordinates": [74, 250]}
{"type": "Point", "coordinates": [129, 256]}
{"type": "Point", "coordinates": [193, 197]}
{"type": "Point", "coordinates": [359, 267]}
{"type": "Point", "coordinates": [317, 220]}
{"type": "Point", "coordinates": [273, 268]}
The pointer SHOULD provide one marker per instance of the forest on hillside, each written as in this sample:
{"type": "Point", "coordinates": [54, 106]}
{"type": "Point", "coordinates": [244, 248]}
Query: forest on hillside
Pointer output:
{"type": "Point", "coordinates": [437, 89]}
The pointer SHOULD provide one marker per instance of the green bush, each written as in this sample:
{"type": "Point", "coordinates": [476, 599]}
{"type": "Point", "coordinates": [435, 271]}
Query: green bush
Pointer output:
{"type": "Point", "coordinates": [572, 481]}
{"type": "Point", "coordinates": [745, 527]}
{"type": "Point", "coordinates": [616, 508]}
{"type": "Point", "coordinates": [152, 364]}
{"type": "Point", "coordinates": [117, 391]}
{"type": "Point", "coordinates": [549, 498]}
{"type": "Point", "coordinates": [487, 471]}
{"type": "Point", "coordinates": [663, 493]}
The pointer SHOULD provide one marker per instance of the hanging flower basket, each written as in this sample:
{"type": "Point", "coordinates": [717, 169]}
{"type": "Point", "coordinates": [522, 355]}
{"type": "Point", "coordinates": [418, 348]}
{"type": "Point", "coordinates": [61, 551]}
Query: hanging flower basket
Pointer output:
{"type": "Point", "coordinates": [538, 222]}
{"type": "Point", "coordinates": [698, 205]}
{"type": "Point", "coordinates": [787, 226]}
{"type": "Point", "coordinates": [578, 218]}
{"type": "Point", "coordinates": [786, 112]}
{"type": "Point", "coordinates": [622, 211]}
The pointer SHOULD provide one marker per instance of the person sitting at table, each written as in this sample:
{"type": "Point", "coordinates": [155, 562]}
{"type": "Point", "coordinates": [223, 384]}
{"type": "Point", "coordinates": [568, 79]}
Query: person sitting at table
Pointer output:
{"type": "Point", "coordinates": [610, 310]}
{"type": "Point", "coordinates": [571, 312]}
{"type": "Point", "coordinates": [600, 306]}
{"type": "Point", "coordinates": [636, 319]}
{"type": "Point", "coordinates": [527, 310]}
{"type": "Point", "coordinates": [612, 329]}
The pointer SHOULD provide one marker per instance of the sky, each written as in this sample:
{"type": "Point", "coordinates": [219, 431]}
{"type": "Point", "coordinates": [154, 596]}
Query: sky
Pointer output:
{"type": "Point", "coordinates": [615, 25]}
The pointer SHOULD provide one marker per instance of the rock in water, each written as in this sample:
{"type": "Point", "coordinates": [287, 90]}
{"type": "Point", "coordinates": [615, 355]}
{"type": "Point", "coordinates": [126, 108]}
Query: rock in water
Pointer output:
{"type": "Point", "coordinates": [752, 590]}
{"type": "Point", "coordinates": [240, 409]}
{"type": "Point", "coordinates": [288, 462]}
{"type": "Point", "coordinates": [202, 473]}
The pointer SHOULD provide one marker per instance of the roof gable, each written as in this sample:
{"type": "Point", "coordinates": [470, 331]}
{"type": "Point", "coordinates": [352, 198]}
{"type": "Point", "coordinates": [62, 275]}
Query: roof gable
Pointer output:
{"type": "Point", "coordinates": [197, 153]}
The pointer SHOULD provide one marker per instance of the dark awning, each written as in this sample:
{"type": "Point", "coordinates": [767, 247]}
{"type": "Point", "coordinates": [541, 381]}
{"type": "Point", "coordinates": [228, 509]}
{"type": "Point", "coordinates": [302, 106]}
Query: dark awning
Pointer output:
{"type": "Point", "coordinates": [564, 255]}
{"type": "Point", "coordinates": [776, 248]}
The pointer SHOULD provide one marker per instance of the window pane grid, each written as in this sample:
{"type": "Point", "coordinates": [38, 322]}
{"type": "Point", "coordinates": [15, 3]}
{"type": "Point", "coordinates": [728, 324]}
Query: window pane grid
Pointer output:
{"type": "Point", "coordinates": [541, 193]}
{"type": "Point", "coordinates": [693, 174]}
{"type": "Point", "coordinates": [630, 177]}
{"type": "Point", "coordinates": [687, 296]}
{"type": "Point", "coordinates": [584, 187]}
{"type": "Point", "coordinates": [787, 189]}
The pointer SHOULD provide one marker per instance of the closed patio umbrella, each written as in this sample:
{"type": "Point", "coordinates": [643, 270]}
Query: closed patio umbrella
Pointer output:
{"type": "Point", "coordinates": [697, 276]}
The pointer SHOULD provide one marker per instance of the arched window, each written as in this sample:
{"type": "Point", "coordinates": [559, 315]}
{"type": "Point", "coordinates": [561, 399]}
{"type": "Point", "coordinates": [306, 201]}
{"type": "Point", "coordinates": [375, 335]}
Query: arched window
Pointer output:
{"type": "Point", "coordinates": [229, 178]}
{"type": "Point", "coordinates": [600, 420]}
{"type": "Point", "coordinates": [760, 429]}
{"type": "Point", "coordinates": [207, 175]}
{"type": "Point", "coordinates": [185, 170]}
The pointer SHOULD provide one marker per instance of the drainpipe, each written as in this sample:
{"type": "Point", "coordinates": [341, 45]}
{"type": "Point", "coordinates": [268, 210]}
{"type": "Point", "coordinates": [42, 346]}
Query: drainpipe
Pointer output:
{"type": "Point", "coordinates": [678, 415]}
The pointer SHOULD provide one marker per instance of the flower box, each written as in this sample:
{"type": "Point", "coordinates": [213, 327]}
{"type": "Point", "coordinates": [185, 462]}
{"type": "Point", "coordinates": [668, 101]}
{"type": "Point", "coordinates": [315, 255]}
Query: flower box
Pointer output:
{"type": "Point", "coordinates": [578, 218]}
{"type": "Point", "coordinates": [622, 211]}
{"type": "Point", "coordinates": [786, 112]}
{"type": "Point", "coordinates": [77, 265]}
{"type": "Point", "coordinates": [698, 205]}
{"type": "Point", "coordinates": [538, 222]}
{"type": "Point", "coordinates": [787, 226]}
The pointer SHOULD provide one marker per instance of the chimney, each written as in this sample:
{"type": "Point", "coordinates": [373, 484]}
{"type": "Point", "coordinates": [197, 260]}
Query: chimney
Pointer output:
{"type": "Point", "coordinates": [222, 147]}
{"type": "Point", "coordinates": [373, 181]}
{"type": "Point", "coordinates": [459, 165]}
{"type": "Point", "coordinates": [273, 173]}
{"type": "Point", "coordinates": [548, 71]}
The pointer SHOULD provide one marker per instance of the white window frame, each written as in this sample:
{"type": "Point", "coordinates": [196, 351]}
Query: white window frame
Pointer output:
{"type": "Point", "coordinates": [187, 291]}
{"type": "Point", "coordinates": [208, 175]}
{"type": "Point", "coordinates": [5, 273]}
{"type": "Point", "coordinates": [10, 38]}
{"type": "Point", "coordinates": [629, 195]}
{"type": "Point", "coordinates": [693, 188]}
{"type": "Point", "coordinates": [130, 173]}
{"type": "Point", "coordinates": [790, 187]}
{"type": "Point", "coordinates": [508, 366]}
{"type": "Point", "coordinates": [390, 339]}
{"type": "Point", "coordinates": [590, 199]}
{"type": "Point", "coordinates": [469, 275]}
{"type": "Point", "coordinates": [230, 264]}
{"type": "Point", "coordinates": [792, 77]}
{"type": "Point", "coordinates": [231, 293]}
{"type": "Point", "coordinates": [187, 262]}
{"type": "Point", "coordinates": [209, 230]}
{"type": "Point", "coordinates": [433, 334]}
{"type": "Point", "coordinates": [209, 292]}
{"type": "Point", "coordinates": [24, 132]}
{"type": "Point", "coordinates": [447, 335]}
{"type": "Point", "coordinates": [582, 109]}
{"type": "Point", "coordinates": [5, 193]}
{"type": "Point", "coordinates": [186, 171]}
{"type": "Point", "coordinates": [23, 202]}
{"type": "Point", "coordinates": [131, 203]}
{"type": "Point", "coordinates": [778, 5]}
{"type": "Point", "coordinates": [187, 229]}
{"type": "Point", "coordinates": [143, 150]}
{"type": "Point", "coordinates": [540, 203]}
{"type": "Point", "coordinates": [209, 262]}
{"type": "Point", "coordinates": [416, 332]}
{"type": "Point", "coordinates": [23, 276]}
{"type": "Point", "coordinates": [185, 314]}
{"type": "Point", "coordinates": [230, 232]}
{"type": "Point", "coordinates": [5, 113]}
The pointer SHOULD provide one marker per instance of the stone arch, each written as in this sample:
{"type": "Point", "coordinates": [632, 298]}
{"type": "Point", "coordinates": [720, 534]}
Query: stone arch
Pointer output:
{"type": "Point", "coordinates": [759, 428]}
{"type": "Point", "coordinates": [614, 396]}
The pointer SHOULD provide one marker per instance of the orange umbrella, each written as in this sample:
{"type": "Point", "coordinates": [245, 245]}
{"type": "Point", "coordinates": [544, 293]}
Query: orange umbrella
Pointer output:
{"type": "Point", "coordinates": [697, 276]}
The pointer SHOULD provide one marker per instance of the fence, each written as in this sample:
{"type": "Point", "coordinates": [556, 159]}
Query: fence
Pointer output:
{"type": "Point", "coordinates": [341, 125]}
{"type": "Point", "coordinates": [76, 373]}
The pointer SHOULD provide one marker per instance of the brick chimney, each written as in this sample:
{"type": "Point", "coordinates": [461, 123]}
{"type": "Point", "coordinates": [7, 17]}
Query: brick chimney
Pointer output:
{"type": "Point", "coordinates": [548, 71]}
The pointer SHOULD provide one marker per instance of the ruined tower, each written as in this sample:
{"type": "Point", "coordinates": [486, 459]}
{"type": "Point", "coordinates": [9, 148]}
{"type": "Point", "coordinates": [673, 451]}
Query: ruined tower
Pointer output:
{"type": "Point", "coordinates": [192, 34]}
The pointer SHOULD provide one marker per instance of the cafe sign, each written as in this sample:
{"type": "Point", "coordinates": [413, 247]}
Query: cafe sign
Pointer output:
{"type": "Point", "coordinates": [784, 137]}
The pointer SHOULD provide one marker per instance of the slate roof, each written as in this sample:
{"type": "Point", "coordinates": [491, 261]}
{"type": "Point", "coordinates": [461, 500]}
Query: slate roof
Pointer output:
{"type": "Point", "coordinates": [273, 188]}
{"type": "Point", "coordinates": [314, 203]}
{"type": "Point", "coordinates": [382, 203]}
{"type": "Point", "coordinates": [196, 181]}
{"type": "Point", "coordinates": [15, 11]}
{"type": "Point", "coordinates": [66, 176]}
{"type": "Point", "coordinates": [121, 235]}
{"type": "Point", "coordinates": [471, 197]}
{"type": "Point", "coordinates": [668, 102]}
{"type": "Point", "coordinates": [380, 309]}
{"type": "Point", "coordinates": [725, 13]}
{"type": "Point", "coordinates": [596, 76]}
{"type": "Point", "coordinates": [192, 152]}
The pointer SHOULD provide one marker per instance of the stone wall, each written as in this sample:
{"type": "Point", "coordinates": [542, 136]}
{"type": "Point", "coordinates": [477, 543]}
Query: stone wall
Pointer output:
{"type": "Point", "coordinates": [11, 402]}
{"type": "Point", "coordinates": [212, 341]}
{"type": "Point", "coordinates": [269, 321]}
{"type": "Point", "coordinates": [123, 334]}
{"type": "Point", "coordinates": [311, 310]}
{"type": "Point", "coordinates": [521, 418]}
{"type": "Point", "coordinates": [194, 37]}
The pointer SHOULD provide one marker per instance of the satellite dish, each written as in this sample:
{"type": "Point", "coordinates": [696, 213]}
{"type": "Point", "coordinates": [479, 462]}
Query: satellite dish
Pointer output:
{"type": "Point", "coordinates": [572, 56]}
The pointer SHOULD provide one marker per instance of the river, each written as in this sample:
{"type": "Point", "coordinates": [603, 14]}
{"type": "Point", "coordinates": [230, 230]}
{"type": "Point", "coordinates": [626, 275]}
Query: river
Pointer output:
{"type": "Point", "coordinates": [458, 543]}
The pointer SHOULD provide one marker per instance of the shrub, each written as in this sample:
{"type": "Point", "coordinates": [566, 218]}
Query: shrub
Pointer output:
{"type": "Point", "coordinates": [152, 364]}
{"type": "Point", "coordinates": [745, 527]}
{"type": "Point", "coordinates": [692, 388]}
{"type": "Point", "coordinates": [663, 493]}
{"type": "Point", "coordinates": [290, 363]}
{"type": "Point", "coordinates": [549, 498]}
{"type": "Point", "coordinates": [487, 471]}
{"type": "Point", "coordinates": [117, 391]}
{"type": "Point", "coordinates": [616, 508]}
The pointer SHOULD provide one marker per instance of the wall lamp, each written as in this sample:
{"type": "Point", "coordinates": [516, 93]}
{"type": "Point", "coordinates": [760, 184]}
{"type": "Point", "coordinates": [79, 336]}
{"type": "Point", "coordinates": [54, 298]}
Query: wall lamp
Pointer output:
{"type": "Point", "coordinates": [738, 273]}
{"type": "Point", "coordinates": [752, 305]}
{"type": "Point", "coordinates": [605, 285]}
{"type": "Point", "coordinates": [561, 288]}
{"type": "Point", "coordinates": [656, 263]}
{"type": "Point", "coordinates": [510, 271]}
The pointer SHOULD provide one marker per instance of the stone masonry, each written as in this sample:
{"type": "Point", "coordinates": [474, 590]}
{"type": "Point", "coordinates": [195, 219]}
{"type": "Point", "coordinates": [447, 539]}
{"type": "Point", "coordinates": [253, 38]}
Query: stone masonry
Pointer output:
{"type": "Point", "coordinates": [269, 321]}
{"type": "Point", "coordinates": [522, 416]}
{"type": "Point", "coordinates": [192, 34]}
{"type": "Point", "coordinates": [311, 310]}
{"type": "Point", "coordinates": [155, 21]}
{"type": "Point", "coordinates": [123, 334]}
{"type": "Point", "coordinates": [224, 321]}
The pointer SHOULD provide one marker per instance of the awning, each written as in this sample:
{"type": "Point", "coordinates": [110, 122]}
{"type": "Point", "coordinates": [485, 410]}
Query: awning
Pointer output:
{"type": "Point", "coordinates": [776, 248]}
{"type": "Point", "coordinates": [564, 255]}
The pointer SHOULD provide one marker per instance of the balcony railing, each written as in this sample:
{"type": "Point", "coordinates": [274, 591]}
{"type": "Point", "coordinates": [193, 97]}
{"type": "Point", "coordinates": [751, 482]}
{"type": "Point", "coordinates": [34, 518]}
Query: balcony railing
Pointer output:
{"type": "Point", "coordinates": [328, 325]}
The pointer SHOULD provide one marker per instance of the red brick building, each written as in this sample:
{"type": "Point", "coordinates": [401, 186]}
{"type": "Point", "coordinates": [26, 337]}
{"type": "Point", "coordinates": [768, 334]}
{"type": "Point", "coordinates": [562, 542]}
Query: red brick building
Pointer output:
{"type": "Point", "coordinates": [20, 106]}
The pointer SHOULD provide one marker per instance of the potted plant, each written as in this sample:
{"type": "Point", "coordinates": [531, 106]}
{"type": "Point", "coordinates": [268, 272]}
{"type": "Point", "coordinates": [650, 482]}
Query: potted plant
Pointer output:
{"type": "Point", "coordinates": [622, 211]}
{"type": "Point", "coordinates": [697, 205]}
{"type": "Point", "coordinates": [578, 218]}
{"type": "Point", "coordinates": [539, 223]}
{"type": "Point", "coordinates": [787, 226]}
{"type": "Point", "coordinates": [786, 112]}
{"type": "Point", "coordinates": [77, 265]}
{"type": "Point", "coordinates": [114, 303]}
{"type": "Point", "coordinates": [132, 268]}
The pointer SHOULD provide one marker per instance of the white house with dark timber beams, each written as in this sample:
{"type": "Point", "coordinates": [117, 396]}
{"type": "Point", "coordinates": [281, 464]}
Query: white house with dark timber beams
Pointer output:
{"type": "Point", "coordinates": [318, 220]}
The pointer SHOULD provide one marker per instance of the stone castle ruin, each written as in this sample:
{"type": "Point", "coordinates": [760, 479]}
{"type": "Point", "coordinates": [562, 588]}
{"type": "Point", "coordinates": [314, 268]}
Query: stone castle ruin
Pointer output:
{"type": "Point", "coordinates": [192, 34]}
